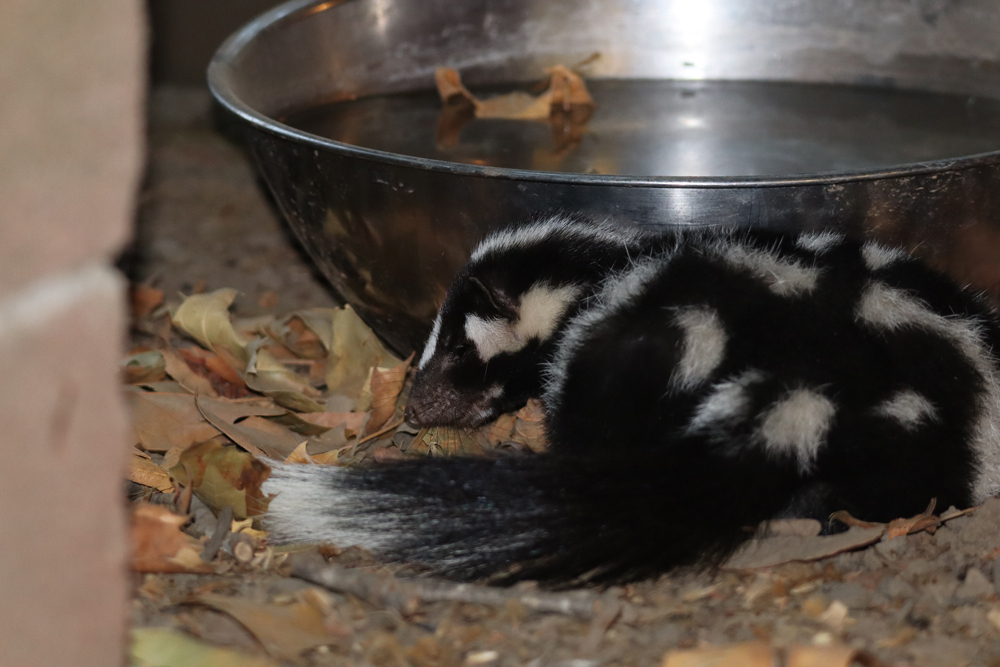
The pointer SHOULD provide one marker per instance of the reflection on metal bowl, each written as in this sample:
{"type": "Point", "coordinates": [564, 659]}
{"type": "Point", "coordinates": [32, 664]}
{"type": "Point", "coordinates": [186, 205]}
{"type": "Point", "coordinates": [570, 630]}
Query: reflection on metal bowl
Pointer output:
{"type": "Point", "coordinates": [879, 119]}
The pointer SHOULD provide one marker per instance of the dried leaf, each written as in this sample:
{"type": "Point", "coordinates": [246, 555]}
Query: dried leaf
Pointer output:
{"type": "Point", "coordinates": [285, 631]}
{"type": "Point", "coordinates": [158, 545]}
{"type": "Point", "coordinates": [529, 428]}
{"type": "Point", "coordinates": [267, 375]}
{"type": "Point", "coordinates": [502, 429]}
{"type": "Point", "coordinates": [179, 370]}
{"type": "Point", "coordinates": [565, 90]}
{"type": "Point", "coordinates": [352, 421]}
{"type": "Point", "coordinates": [165, 647]}
{"type": "Point", "coordinates": [162, 421]}
{"type": "Point", "coordinates": [299, 456]}
{"type": "Point", "coordinates": [142, 470]}
{"type": "Point", "coordinates": [926, 519]}
{"type": "Point", "coordinates": [144, 367]}
{"type": "Point", "coordinates": [222, 475]}
{"type": "Point", "coordinates": [448, 442]}
{"type": "Point", "coordinates": [302, 339]}
{"type": "Point", "coordinates": [205, 317]}
{"type": "Point", "coordinates": [749, 654]}
{"type": "Point", "coordinates": [386, 384]}
{"type": "Point", "coordinates": [144, 300]}
{"type": "Point", "coordinates": [771, 551]}
{"type": "Point", "coordinates": [258, 436]}
{"type": "Point", "coordinates": [819, 656]}
{"type": "Point", "coordinates": [354, 351]}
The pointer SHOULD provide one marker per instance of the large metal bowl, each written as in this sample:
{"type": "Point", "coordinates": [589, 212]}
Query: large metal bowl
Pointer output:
{"type": "Point", "coordinates": [390, 231]}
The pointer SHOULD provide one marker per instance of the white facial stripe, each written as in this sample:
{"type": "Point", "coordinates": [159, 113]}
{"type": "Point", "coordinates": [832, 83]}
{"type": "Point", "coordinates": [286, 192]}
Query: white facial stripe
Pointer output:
{"type": "Point", "coordinates": [528, 235]}
{"type": "Point", "coordinates": [797, 425]}
{"type": "Point", "coordinates": [727, 405]}
{"type": "Point", "coordinates": [908, 408]}
{"type": "Point", "coordinates": [784, 277]}
{"type": "Point", "coordinates": [878, 256]}
{"type": "Point", "coordinates": [431, 343]}
{"type": "Point", "coordinates": [492, 336]}
{"type": "Point", "coordinates": [541, 309]}
{"type": "Point", "coordinates": [819, 242]}
{"type": "Point", "coordinates": [885, 307]}
{"type": "Point", "coordinates": [704, 347]}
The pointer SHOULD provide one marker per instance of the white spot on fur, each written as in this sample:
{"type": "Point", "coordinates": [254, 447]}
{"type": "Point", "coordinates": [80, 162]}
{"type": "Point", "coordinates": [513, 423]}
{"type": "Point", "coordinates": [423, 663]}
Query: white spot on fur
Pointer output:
{"type": "Point", "coordinates": [492, 336]}
{"type": "Point", "coordinates": [311, 506]}
{"type": "Point", "coordinates": [530, 234]}
{"type": "Point", "coordinates": [727, 405]}
{"type": "Point", "coordinates": [888, 308]}
{"type": "Point", "coordinates": [539, 312]}
{"type": "Point", "coordinates": [542, 307]}
{"type": "Point", "coordinates": [703, 349]}
{"type": "Point", "coordinates": [431, 343]}
{"type": "Point", "coordinates": [819, 242]}
{"type": "Point", "coordinates": [618, 291]}
{"type": "Point", "coordinates": [797, 425]}
{"type": "Point", "coordinates": [909, 408]}
{"type": "Point", "coordinates": [877, 256]}
{"type": "Point", "coordinates": [785, 277]}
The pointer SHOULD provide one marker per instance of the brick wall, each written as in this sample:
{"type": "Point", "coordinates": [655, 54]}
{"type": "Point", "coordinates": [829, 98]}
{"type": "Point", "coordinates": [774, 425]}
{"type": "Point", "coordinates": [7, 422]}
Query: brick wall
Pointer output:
{"type": "Point", "coordinates": [72, 77]}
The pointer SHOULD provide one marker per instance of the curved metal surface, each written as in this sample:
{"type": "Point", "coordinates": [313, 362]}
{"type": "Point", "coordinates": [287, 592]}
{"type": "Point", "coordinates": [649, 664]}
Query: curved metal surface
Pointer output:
{"type": "Point", "coordinates": [389, 230]}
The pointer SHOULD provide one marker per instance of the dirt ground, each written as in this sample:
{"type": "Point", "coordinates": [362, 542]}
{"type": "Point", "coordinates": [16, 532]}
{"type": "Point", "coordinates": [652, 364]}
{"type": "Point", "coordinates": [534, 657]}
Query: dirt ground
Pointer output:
{"type": "Point", "coordinates": [924, 599]}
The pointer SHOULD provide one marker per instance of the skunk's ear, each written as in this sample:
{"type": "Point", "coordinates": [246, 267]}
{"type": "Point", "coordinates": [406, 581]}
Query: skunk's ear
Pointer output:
{"type": "Point", "coordinates": [498, 302]}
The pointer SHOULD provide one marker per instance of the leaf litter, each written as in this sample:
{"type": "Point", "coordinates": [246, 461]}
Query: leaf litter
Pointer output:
{"type": "Point", "coordinates": [244, 394]}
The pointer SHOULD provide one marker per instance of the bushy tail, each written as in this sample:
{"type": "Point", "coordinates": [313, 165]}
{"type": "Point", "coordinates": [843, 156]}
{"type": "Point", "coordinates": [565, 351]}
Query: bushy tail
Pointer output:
{"type": "Point", "coordinates": [548, 517]}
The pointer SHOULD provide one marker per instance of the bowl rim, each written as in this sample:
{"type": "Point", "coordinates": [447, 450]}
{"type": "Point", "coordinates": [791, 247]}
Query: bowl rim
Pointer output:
{"type": "Point", "coordinates": [219, 83]}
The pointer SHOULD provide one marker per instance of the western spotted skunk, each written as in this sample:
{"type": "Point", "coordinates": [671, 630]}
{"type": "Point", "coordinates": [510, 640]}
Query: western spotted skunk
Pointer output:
{"type": "Point", "coordinates": [695, 383]}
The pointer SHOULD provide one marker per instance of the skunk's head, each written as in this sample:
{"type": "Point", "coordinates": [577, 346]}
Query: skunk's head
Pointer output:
{"type": "Point", "coordinates": [502, 317]}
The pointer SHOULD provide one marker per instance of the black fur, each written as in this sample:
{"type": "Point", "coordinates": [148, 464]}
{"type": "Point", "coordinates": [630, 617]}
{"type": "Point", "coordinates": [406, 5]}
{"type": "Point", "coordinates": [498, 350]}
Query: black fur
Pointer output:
{"type": "Point", "coordinates": [630, 487]}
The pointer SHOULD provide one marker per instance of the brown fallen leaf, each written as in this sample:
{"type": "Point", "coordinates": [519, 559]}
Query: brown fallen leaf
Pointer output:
{"type": "Point", "coordinates": [298, 337]}
{"type": "Point", "coordinates": [386, 384]}
{"type": "Point", "coordinates": [268, 376]}
{"type": "Point", "coordinates": [354, 350]}
{"type": "Point", "coordinates": [142, 470]}
{"type": "Point", "coordinates": [144, 300]}
{"type": "Point", "coordinates": [143, 368]}
{"type": "Point", "coordinates": [446, 441]}
{"type": "Point", "coordinates": [255, 434]}
{"type": "Point", "coordinates": [162, 421]}
{"type": "Point", "coordinates": [222, 475]}
{"type": "Point", "coordinates": [922, 521]}
{"type": "Point", "coordinates": [502, 429]}
{"type": "Point", "coordinates": [284, 630]}
{"type": "Point", "coordinates": [771, 551]}
{"type": "Point", "coordinates": [166, 647]}
{"type": "Point", "coordinates": [352, 421]}
{"type": "Point", "coordinates": [177, 368]}
{"type": "Point", "coordinates": [529, 427]}
{"type": "Point", "coordinates": [759, 654]}
{"type": "Point", "coordinates": [205, 317]}
{"type": "Point", "coordinates": [219, 369]}
{"type": "Point", "coordinates": [268, 299]}
{"type": "Point", "coordinates": [158, 545]}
